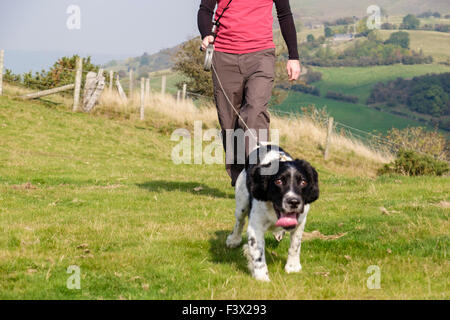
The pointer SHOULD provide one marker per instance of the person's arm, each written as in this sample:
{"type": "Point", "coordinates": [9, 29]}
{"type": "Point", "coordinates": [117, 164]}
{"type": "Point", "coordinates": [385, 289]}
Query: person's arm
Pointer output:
{"type": "Point", "coordinates": [287, 27]}
{"type": "Point", "coordinates": [204, 17]}
{"type": "Point", "coordinates": [290, 37]}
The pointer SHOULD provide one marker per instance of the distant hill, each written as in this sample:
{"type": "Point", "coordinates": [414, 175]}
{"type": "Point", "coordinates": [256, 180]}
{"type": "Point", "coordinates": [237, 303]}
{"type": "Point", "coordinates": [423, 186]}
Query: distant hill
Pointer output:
{"type": "Point", "coordinates": [304, 11]}
{"type": "Point", "coordinates": [325, 10]}
{"type": "Point", "coordinates": [144, 64]}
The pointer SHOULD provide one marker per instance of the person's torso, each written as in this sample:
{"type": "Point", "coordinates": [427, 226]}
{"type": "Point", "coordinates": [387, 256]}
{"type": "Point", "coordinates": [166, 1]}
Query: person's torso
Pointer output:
{"type": "Point", "coordinates": [246, 26]}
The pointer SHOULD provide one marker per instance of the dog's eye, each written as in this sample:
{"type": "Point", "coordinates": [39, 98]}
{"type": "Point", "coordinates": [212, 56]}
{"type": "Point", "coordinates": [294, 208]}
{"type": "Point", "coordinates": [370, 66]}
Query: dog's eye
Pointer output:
{"type": "Point", "coordinates": [278, 182]}
{"type": "Point", "coordinates": [303, 183]}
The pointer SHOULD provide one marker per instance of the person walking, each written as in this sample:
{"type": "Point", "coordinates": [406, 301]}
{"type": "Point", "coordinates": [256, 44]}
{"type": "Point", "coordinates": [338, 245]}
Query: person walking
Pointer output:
{"type": "Point", "coordinates": [244, 66]}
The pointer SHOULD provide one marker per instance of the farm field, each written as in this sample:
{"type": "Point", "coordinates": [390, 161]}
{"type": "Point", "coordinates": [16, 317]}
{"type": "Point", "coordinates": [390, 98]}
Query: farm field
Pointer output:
{"type": "Point", "coordinates": [436, 44]}
{"type": "Point", "coordinates": [359, 81]}
{"type": "Point", "coordinates": [104, 195]}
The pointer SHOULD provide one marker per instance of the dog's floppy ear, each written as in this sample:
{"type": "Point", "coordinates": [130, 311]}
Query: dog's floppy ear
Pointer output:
{"type": "Point", "coordinates": [312, 189]}
{"type": "Point", "coordinates": [258, 184]}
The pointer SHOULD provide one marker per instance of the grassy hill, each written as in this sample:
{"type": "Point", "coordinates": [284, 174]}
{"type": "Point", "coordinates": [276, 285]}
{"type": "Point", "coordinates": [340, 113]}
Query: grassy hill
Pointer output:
{"type": "Point", "coordinates": [101, 192]}
{"type": "Point", "coordinates": [144, 64]}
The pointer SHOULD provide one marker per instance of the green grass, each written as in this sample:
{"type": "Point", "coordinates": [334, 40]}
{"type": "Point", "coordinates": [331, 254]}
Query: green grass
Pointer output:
{"type": "Point", "coordinates": [110, 184]}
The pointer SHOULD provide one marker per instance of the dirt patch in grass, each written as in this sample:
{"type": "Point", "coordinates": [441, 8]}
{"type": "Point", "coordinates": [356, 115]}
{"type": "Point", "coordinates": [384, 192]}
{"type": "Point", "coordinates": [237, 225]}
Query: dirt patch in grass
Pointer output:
{"type": "Point", "coordinates": [25, 186]}
{"type": "Point", "coordinates": [444, 204]}
{"type": "Point", "coordinates": [318, 235]}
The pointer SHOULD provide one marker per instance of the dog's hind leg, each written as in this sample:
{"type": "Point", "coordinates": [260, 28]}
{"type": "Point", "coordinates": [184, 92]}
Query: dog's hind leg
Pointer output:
{"type": "Point", "coordinates": [242, 209]}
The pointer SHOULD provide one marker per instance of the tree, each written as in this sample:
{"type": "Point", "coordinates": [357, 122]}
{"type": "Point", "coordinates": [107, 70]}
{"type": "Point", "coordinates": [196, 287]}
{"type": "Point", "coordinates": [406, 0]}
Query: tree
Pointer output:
{"type": "Point", "coordinates": [410, 22]}
{"type": "Point", "coordinates": [61, 73]}
{"type": "Point", "coordinates": [189, 61]}
{"type": "Point", "coordinates": [400, 38]}
{"type": "Point", "coordinates": [362, 27]}
{"type": "Point", "coordinates": [310, 38]}
{"type": "Point", "coordinates": [144, 60]}
{"type": "Point", "coordinates": [432, 100]}
{"type": "Point", "coordinates": [436, 15]}
{"type": "Point", "coordinates": [328, 32]}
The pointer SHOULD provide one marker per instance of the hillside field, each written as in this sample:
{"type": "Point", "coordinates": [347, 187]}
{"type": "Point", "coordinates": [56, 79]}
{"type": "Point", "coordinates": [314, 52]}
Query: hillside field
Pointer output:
{"type": "Point", "coordinates": [355, 115]}
{"type": "Point", "coordinates": [102, 194]}
{"type": "Point", "coordinates": [436, 44]}
{"type": "Point", "coordinates": [358, 81]}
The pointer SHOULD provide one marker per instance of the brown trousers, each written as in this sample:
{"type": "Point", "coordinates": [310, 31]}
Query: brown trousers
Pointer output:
{"type": "Point", "coordinates": [247, 79]}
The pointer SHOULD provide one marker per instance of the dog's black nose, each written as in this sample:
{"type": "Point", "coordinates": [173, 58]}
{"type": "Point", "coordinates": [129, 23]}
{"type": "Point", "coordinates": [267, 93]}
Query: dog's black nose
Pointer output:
{"type": "Point", "coordinates": [293, 202]}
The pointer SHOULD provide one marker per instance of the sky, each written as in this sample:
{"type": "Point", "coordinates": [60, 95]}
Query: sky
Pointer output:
{"type": "Point", "coordinates": [108, 27]}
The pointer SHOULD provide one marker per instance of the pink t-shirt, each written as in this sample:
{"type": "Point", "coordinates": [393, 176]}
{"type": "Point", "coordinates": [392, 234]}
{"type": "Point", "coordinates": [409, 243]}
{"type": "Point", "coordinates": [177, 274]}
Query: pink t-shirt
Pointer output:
{"type": "Point", "coordinates": [247, 26]}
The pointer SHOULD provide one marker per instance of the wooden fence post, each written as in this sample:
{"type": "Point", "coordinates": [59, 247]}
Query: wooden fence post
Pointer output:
{"type": "Point", "coordinates": [122, 94]}
{"type": "Point", "coordinates": [184, 91]}
{"type": "Point", "coordinates": [328, 141]}
{"type": "Point", "coordinates": [147, 88]}
{"type": "Point", "coordinates": [111, 80]}
{"type": "Point", "coordinates": [93, 88]}
{"type": "Point", "coordinates": [130, 94]}
{"type": "Point", "coordinates": [142, 98]}
{"type": "Point", "coordinates": [2, 59]}
{"type": "Point", "coordinates": [77, 91]}
{"type": "Point", "coordinates": [163, 85]}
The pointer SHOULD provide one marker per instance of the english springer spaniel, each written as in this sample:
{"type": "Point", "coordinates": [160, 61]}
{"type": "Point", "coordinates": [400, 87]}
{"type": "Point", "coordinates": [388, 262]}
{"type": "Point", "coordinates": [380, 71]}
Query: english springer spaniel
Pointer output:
{"type": "Point", "coordinates": [276, 201]}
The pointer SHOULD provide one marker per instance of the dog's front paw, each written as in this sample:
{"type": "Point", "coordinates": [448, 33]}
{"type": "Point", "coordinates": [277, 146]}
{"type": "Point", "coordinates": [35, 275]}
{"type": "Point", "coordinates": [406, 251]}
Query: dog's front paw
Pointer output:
{"type": "Point", "coordinates": [261, 274]}
{"type": "Point", "coordinates": [293, 267]}
{"type": "Point", "coordinates": [233, 242]}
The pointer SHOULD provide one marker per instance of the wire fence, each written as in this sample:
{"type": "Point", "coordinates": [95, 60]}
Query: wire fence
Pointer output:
{"type": "Point", "coordinates": [376, 142]}
{"type": "Point", "coordinates": [373, 140]}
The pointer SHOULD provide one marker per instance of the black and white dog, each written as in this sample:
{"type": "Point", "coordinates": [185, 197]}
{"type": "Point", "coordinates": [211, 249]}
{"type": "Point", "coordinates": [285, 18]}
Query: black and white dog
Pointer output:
{"type": "Point", "coordinates": [276, 201]}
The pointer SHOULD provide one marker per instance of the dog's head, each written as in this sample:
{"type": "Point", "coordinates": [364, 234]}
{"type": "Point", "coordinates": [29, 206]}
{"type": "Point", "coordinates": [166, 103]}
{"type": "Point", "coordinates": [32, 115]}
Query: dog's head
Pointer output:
{"type": "Point", "coordinates": [290, 189]}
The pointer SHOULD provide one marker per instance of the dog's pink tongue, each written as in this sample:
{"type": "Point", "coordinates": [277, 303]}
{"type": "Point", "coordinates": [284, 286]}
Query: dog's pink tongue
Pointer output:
{"type": "Point", "coordinates": [287, 220]}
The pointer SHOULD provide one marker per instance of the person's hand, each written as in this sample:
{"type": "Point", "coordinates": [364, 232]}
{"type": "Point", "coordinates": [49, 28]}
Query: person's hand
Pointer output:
{"type": "Point", "coordinates": [207, 41]}
{"type": "Point", "coordinates": [293, 69]}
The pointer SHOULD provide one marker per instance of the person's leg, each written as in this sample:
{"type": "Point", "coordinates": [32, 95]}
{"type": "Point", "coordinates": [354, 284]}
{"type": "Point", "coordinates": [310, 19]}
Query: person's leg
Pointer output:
{"type": "Point", "coordinates": [259, 71]}
{"type": "Point", "coordinates": [232, 81]}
